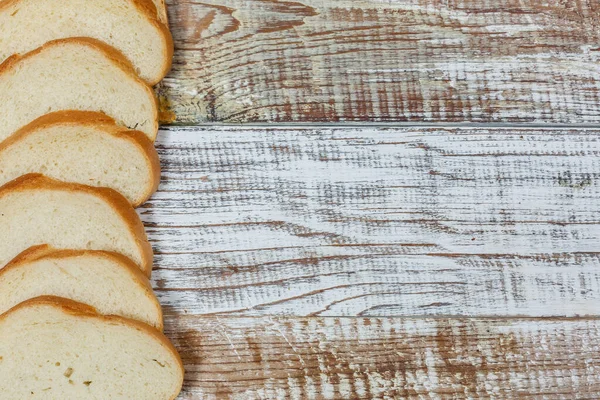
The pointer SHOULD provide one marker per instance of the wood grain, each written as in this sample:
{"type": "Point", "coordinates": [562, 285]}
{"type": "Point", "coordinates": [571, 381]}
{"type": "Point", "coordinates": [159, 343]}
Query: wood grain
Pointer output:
{"type": "Point", "coordinates": [392, 60]}
{"type": "Point", "coordinates": [377, 222]}
{"type": "Point", "coordinates": [388, 358]}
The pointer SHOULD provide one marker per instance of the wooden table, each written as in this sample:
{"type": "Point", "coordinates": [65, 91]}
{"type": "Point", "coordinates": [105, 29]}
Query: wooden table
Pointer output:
{"type": "Point", "coordinates": [382, 199]}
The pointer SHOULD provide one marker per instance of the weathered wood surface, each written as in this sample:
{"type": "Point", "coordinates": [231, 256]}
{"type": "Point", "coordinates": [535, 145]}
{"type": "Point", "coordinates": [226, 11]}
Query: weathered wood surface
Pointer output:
{"type": "Point", "coordinates": [265, 236]}
{"type": "Point", "coordinates": [377, 222]}
{"type": "Point", "coordinates": [388, 358]}
{"type": "Point", "coordinates": [392, 60]}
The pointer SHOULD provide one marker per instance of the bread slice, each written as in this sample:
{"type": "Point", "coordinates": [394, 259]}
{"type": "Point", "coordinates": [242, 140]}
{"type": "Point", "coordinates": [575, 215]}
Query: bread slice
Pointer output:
{"type": "Point", "coordinates": [74, 74]}
{"type": "Point", "coordinates": [132, 27]}
{"type": "Point", "coordinates": [54, 348]}
{"type": "Point", "coordinates": [109, 282]}
{"type": "Point", "coordinates": [83, 147]}
{"type": "Point", "coordinates": [38, 210]}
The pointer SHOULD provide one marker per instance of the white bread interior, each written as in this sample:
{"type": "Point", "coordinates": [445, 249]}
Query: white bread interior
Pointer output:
{"type": "Point", "coordinates": [109, 282]}
{"type": "Point", "coordinates": [53, 348]}
{"type": "Point", "coordinates": [74, 74]}
{"type": "Point", "coordinates": [86, 148]}
{"type": "Point", "coordinates": [37, 210]}
{"type": "Point", "coordinates": [132, 27]}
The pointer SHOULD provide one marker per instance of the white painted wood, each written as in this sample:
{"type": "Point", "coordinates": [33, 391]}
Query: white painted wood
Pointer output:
{"type": "Point", "coordinates": [377, 222]}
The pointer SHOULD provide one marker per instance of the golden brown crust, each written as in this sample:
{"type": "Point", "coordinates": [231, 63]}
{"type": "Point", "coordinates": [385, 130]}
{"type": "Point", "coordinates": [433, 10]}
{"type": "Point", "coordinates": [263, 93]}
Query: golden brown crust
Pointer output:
{"type": "Point", "coordinates": [9, 63]}
{"type": "Point", "coordinates": [118, 202]}
{"type": "Point", "coordinates": [147, 147]}
{"type": "Point", "coordinates": [45, 251]}
{"type": "Point", "coordinates": [148, 8]}
{"type": "Point", "coordinates": [29, 255]}
{"type": "Point", "coordinates": [100, 121]}
{"type": "Point", "coordinates": [84, 311]}
{"type": "Point", "coordinates": [68, 306]}
{"type": "Point", "coordinates": [112, 54]}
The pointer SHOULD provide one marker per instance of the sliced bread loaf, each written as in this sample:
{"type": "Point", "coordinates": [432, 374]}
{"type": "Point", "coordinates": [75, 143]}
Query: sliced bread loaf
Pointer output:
{"type": "Point", "coordinates": [83, 147]}
{"type": "Point", "coordinates": [54, 348]}
{"type": "Point", "coordinates": [38, 210]}
{"type": "Point", "coordinates": [132, 27]}
{"type": "Point", "coordinates": [109, 282]}
{"type": "Point", "coordinates": [74, 74]}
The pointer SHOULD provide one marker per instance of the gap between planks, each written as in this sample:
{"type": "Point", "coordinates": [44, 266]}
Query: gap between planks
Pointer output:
{"type": "Point", "coordinates": [383, 125]}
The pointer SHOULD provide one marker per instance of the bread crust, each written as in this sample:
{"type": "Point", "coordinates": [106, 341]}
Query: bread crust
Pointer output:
{"type": "Point", "coordinates": [148, 9]}
{"type": "Point", "coordinates": [112, 54]}
{"type": "Point", "coordinates": [45, 251]}
{"type": "Point", "coordinates": [84, 311]}
{"type": "Point", "coordinates": [108, 125]}
{"type": "Point", "coordinates": [115, 199]}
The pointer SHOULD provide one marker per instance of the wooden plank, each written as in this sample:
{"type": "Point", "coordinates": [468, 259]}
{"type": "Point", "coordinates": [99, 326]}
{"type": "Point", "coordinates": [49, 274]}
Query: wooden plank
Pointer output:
{"type": "Point", "coordinates": [377, 222]}
{"type": "Point", "coordinates": [392, 60]}
{"type": "Point", "coordinates": [388, 358]}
